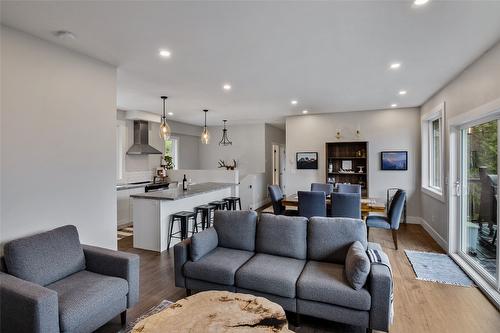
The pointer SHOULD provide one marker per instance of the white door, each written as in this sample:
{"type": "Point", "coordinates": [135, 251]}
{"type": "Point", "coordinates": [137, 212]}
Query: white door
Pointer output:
{"type": "Point", "coordinates": [276, 164]}
{"type": "Point", "coordinates": [476, 197]}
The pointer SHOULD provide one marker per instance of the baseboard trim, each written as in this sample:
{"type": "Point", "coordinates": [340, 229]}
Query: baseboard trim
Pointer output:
{"type": "Point", "coordinates": [434, 234]}
{"type": "Point", "coordinates": [413, 220]}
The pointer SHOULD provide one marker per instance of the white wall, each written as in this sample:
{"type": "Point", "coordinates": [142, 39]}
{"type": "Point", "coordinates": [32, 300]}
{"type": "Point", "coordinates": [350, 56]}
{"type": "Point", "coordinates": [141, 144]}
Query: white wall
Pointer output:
{"type": "Point", "coordinates": [394, 129]}
{"type": "Point", "coordinates": [58, 111]}
{"type": "Point", "coordinates": [478, 84]}
{"type": "Point", "coordinates": [248, 148]}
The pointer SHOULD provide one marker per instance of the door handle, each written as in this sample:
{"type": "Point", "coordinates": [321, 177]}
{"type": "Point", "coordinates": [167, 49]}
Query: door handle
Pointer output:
{"type": "Point", "coordinates": [458, 188]}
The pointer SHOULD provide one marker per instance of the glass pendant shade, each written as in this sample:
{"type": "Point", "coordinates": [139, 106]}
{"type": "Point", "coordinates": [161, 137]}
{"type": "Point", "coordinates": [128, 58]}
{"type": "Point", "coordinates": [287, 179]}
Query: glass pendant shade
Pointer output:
{"type": "Point", "coordinates": [205, 136]}
{"type": "Point", "coordinates": [164, 128]}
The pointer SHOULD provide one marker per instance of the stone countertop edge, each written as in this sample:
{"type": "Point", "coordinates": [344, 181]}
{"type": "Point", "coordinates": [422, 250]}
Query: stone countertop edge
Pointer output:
{"type": "Point", "coordinates": [178, 194]}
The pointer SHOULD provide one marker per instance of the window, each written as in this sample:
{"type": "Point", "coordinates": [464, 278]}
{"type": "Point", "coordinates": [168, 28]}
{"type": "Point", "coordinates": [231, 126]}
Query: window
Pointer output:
{"type": "Point", "coordinates": [170, 149]}
{"type": "Point", "coordinates": [432, 152]}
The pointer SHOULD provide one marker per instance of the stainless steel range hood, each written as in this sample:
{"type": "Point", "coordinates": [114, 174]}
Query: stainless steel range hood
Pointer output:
{"type": "Point", "coordinates": [141, 141]}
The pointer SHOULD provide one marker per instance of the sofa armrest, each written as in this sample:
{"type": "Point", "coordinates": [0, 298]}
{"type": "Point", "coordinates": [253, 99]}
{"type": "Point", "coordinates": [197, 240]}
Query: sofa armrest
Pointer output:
{"type": "Point", "coordinates": [181, 256]}
{"type": "Point", "coordinates": [380, 288]}
{"type": "Point", "coordinates": [26, 306]}
{"type": "Point", "coordinates": [115, 263]}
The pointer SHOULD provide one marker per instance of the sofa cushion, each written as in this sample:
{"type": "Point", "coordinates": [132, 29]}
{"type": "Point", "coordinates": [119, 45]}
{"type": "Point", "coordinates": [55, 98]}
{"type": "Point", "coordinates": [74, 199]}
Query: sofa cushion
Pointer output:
{"type": "Point", "coordinates": [292, 240]}
{"type": "Point", "coordinates": [329, 238]}
{"type": "Point", "coordinates": [270, 274]}
{"type": "Point", "coordinates": [326, 282]}
{"type": "Point", "coordinates": [85, 297]}
{"type": "Point", "coordinates": [236, 229]}
{"type": "Point", "coordinates": [218, 266]}
{"type": "Point", "coordinates": [203, 242]}
{"type": "Point", "coordinates": [357, 266]}
{"type": "Point", "coordinates": [46, 257]}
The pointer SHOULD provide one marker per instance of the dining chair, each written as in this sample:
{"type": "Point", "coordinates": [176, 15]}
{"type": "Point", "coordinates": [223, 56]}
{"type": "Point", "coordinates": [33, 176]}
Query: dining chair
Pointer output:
{"type": "Point", "coordinates": [391, 221]}
{"type": "Point", "coordinates": [327, 188]}
{"type": "Point", "coordinates": [346, 205]}
{"type": "Point", "coordinates": [276, 199]}
{"type": "Point", "coordinates": [312, 203]}
{"type": "Point", "coordinates": [349, 188]}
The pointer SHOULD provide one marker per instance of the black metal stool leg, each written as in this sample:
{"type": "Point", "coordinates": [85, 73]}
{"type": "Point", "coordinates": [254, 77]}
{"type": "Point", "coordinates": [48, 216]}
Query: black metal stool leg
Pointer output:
{"type": "Point", "coordinates": [183, 228]}
{"type": "Point", "coordinates": [195, 226]}
{"type": "Point", "coordinates": [172, 220]}
{"type": "Point", "coordinates": [239, 203]}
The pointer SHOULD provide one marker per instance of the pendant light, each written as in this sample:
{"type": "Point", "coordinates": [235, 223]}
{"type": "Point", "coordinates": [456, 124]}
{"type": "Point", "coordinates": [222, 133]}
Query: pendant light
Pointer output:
{"type": "Point", "coordinates": [164, 128]}
{"type": "Point", "coordinates": [225, 140]}
{"type": "Point", "coordinates": [204, 135]}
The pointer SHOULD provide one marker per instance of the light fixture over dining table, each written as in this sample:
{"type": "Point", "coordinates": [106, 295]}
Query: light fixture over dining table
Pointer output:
{"type": "Point", "coordinates": [225, 139]}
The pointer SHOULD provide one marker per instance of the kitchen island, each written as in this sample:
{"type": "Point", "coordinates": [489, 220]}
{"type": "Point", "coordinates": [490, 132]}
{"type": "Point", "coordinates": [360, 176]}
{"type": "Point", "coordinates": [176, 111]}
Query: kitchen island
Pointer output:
{"type": "Point", "coordinates": [152, 211]}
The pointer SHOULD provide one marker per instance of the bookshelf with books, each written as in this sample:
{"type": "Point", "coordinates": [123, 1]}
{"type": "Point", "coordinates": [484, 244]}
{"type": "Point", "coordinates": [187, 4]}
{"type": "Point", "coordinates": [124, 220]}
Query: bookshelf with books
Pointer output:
{"type": "Point", "coordinates": [347, 162]}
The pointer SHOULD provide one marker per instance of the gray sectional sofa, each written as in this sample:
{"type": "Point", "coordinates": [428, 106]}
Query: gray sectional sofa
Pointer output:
{"type": "Point", "coordinates": [50, 283]}
{"type": "Point", "coordinates": [295, 262]}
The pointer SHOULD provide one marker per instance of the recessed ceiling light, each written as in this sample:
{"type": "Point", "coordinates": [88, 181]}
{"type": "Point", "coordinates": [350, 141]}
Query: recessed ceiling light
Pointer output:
{"type": "Point", "coordinates": [294, 102]}
{"type": "Point", "coordinates": [305, 111]}
{"type": "Point", "coordinates": [226, 86]}
{"type": "Point", "coordinates": [170, 113]}
{"type": "Point", "coordinates": [165, 53]}
{"type": "Point", "coordinates": [420, 2]}
{"type": "Point", "coordinates": [393, 105]}
{"type": "Point", "coordinates": [402, 92]}
{"type": "Point", "coordinates": [395, 65]}
{"type": "Point", "coordinates": [64, 34]}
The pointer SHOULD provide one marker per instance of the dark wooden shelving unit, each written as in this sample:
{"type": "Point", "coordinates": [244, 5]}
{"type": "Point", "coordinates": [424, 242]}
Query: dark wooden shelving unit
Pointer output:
{"type": "Point", "coordinates": [357, 153]}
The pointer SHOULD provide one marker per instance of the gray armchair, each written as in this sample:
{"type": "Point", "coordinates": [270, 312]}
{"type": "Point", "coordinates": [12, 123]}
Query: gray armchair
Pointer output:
{"type": "Point", "coordinates": [49, 282]}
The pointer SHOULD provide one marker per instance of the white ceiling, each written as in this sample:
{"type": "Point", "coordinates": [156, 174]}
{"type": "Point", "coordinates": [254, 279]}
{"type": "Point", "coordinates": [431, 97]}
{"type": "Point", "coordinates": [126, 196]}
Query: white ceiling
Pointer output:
{"type": "Point", "coordinates": [330, 56]}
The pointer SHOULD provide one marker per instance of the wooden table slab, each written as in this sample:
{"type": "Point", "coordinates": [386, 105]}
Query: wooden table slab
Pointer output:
{"type": "Point", "coordinates": [217, 311]}
{"type": "Point", "coordinates": [369, 205]}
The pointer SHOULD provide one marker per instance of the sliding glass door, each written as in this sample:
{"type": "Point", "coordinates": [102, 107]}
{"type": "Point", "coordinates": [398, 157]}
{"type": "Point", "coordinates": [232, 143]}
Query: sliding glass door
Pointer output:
{"type": "Point", "coordinates": [478, 199]}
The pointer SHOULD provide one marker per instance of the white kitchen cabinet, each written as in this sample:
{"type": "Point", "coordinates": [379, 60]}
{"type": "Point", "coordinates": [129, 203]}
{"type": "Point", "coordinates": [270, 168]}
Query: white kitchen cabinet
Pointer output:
{"type": "Point", "coordinates": [124, 205]}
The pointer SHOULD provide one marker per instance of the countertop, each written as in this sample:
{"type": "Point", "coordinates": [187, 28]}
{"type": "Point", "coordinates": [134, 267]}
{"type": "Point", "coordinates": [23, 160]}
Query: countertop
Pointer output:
{"type": "Point", "coordinates": [177, 193]}
{"type": "Point", "coordinates": [129, 186]}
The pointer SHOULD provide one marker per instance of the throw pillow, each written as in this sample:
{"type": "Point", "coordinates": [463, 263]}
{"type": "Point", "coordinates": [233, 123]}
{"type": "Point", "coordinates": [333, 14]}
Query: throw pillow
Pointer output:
{"type": "Point", "coordinates": [357, 265]}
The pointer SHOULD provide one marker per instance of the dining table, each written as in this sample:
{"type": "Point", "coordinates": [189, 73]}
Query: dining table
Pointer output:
{"type": "Point", "coordinates": [368, 205]}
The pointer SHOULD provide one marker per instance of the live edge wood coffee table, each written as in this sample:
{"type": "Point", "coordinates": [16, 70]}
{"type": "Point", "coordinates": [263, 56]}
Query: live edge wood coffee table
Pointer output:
{"type": "Point", "coordinates": [217, 311]}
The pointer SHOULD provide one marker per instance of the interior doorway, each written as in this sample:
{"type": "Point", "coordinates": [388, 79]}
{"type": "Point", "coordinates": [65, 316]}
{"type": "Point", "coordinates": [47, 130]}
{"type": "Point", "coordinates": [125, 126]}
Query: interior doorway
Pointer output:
{"type": "Point", "coordinates": [278, 165]}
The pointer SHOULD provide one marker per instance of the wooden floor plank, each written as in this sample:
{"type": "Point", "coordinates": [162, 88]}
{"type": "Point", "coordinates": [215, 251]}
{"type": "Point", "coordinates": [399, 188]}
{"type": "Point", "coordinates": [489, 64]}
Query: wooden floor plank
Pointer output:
{"type": "Point", "coordinates": [420, 306]}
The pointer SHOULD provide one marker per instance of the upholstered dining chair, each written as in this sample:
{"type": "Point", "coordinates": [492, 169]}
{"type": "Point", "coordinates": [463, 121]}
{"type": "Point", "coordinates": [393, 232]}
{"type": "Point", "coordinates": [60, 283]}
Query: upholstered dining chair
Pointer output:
{"type": "Point", "coordinates": [276, 198]}
{"type": "Point", "coordinates": [346, 205]}
{"type": "Point", "coordinates": [391, 221]}
{"type": "Point", "coordinates": [349, 188]}
{"type": "Point", "coordinates": [327, 188]}
{"type": "Point", "coordinates": [312, 203]}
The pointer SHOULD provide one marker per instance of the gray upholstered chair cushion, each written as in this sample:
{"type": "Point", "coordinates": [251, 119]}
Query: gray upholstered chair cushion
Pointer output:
{"type": "Point", "coordinates": [87, 300]}
{"type": "Point", "coordinates": [377, 221]}
{"type": "Point", "coordinates": [218, 266]}
{"type": "Point", "coordinates": [329, 239]}
{"type": "Point", "coordinates": [46, 257]}
{"type": "Point", "coordinates": [312, 203]}
{"type": "Point", "coordinates": [346, 205]}
{"type": "Point", "coordinates": [357, 266]}
{"type": "Point", "coordinates": [292, 239]}
{"type": "Point", "coordinates": [270, 274]}
{"type": "Point", "coordinates": [236, 229]}
{"type": "Point", "coordinates": [326, 283]}
{"type": "Point", "coordinates": [202, 243]}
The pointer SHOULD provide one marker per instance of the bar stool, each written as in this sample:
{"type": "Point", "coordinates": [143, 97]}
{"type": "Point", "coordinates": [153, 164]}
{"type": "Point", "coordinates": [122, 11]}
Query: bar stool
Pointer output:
{"type": "Point", "coordinates": [183, 217]}
{"type": "Point", "coordinates": [231, 202]}
{"type": "Point", "coordinates": [219, 205]}
{"type": "Point", "coordinates": [206, 215]}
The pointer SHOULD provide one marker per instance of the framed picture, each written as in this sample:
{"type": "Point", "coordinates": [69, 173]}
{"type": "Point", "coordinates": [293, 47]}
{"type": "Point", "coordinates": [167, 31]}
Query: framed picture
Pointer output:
{"type": "Point", "coordinates": [307, 160]}
{"type": "Point", "coordinates": [394, 160]}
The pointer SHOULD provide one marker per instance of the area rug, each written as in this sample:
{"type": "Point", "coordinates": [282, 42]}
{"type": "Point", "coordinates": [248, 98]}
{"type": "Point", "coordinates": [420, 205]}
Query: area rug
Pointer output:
{"type": "Point", "coordinates": [437, 267]}
{"type": "Point", "coordinates": [162, 306]}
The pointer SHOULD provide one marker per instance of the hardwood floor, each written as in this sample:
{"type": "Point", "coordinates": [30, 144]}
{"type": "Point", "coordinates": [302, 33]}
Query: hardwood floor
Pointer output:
{"type": "Point", "coordinates": [419, 306]}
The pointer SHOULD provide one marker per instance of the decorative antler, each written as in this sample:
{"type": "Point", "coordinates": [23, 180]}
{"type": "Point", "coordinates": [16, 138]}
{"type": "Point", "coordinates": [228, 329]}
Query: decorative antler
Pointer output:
{"type": "Point", "coordinates": [222, 164]}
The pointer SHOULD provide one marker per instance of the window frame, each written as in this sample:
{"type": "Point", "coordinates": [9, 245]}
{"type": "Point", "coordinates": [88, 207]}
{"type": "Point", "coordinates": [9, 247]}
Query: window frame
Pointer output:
{"type": "Point", "coordinates": [437, 113]}
{"type": "Point", "coordinates": [175, 150]}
